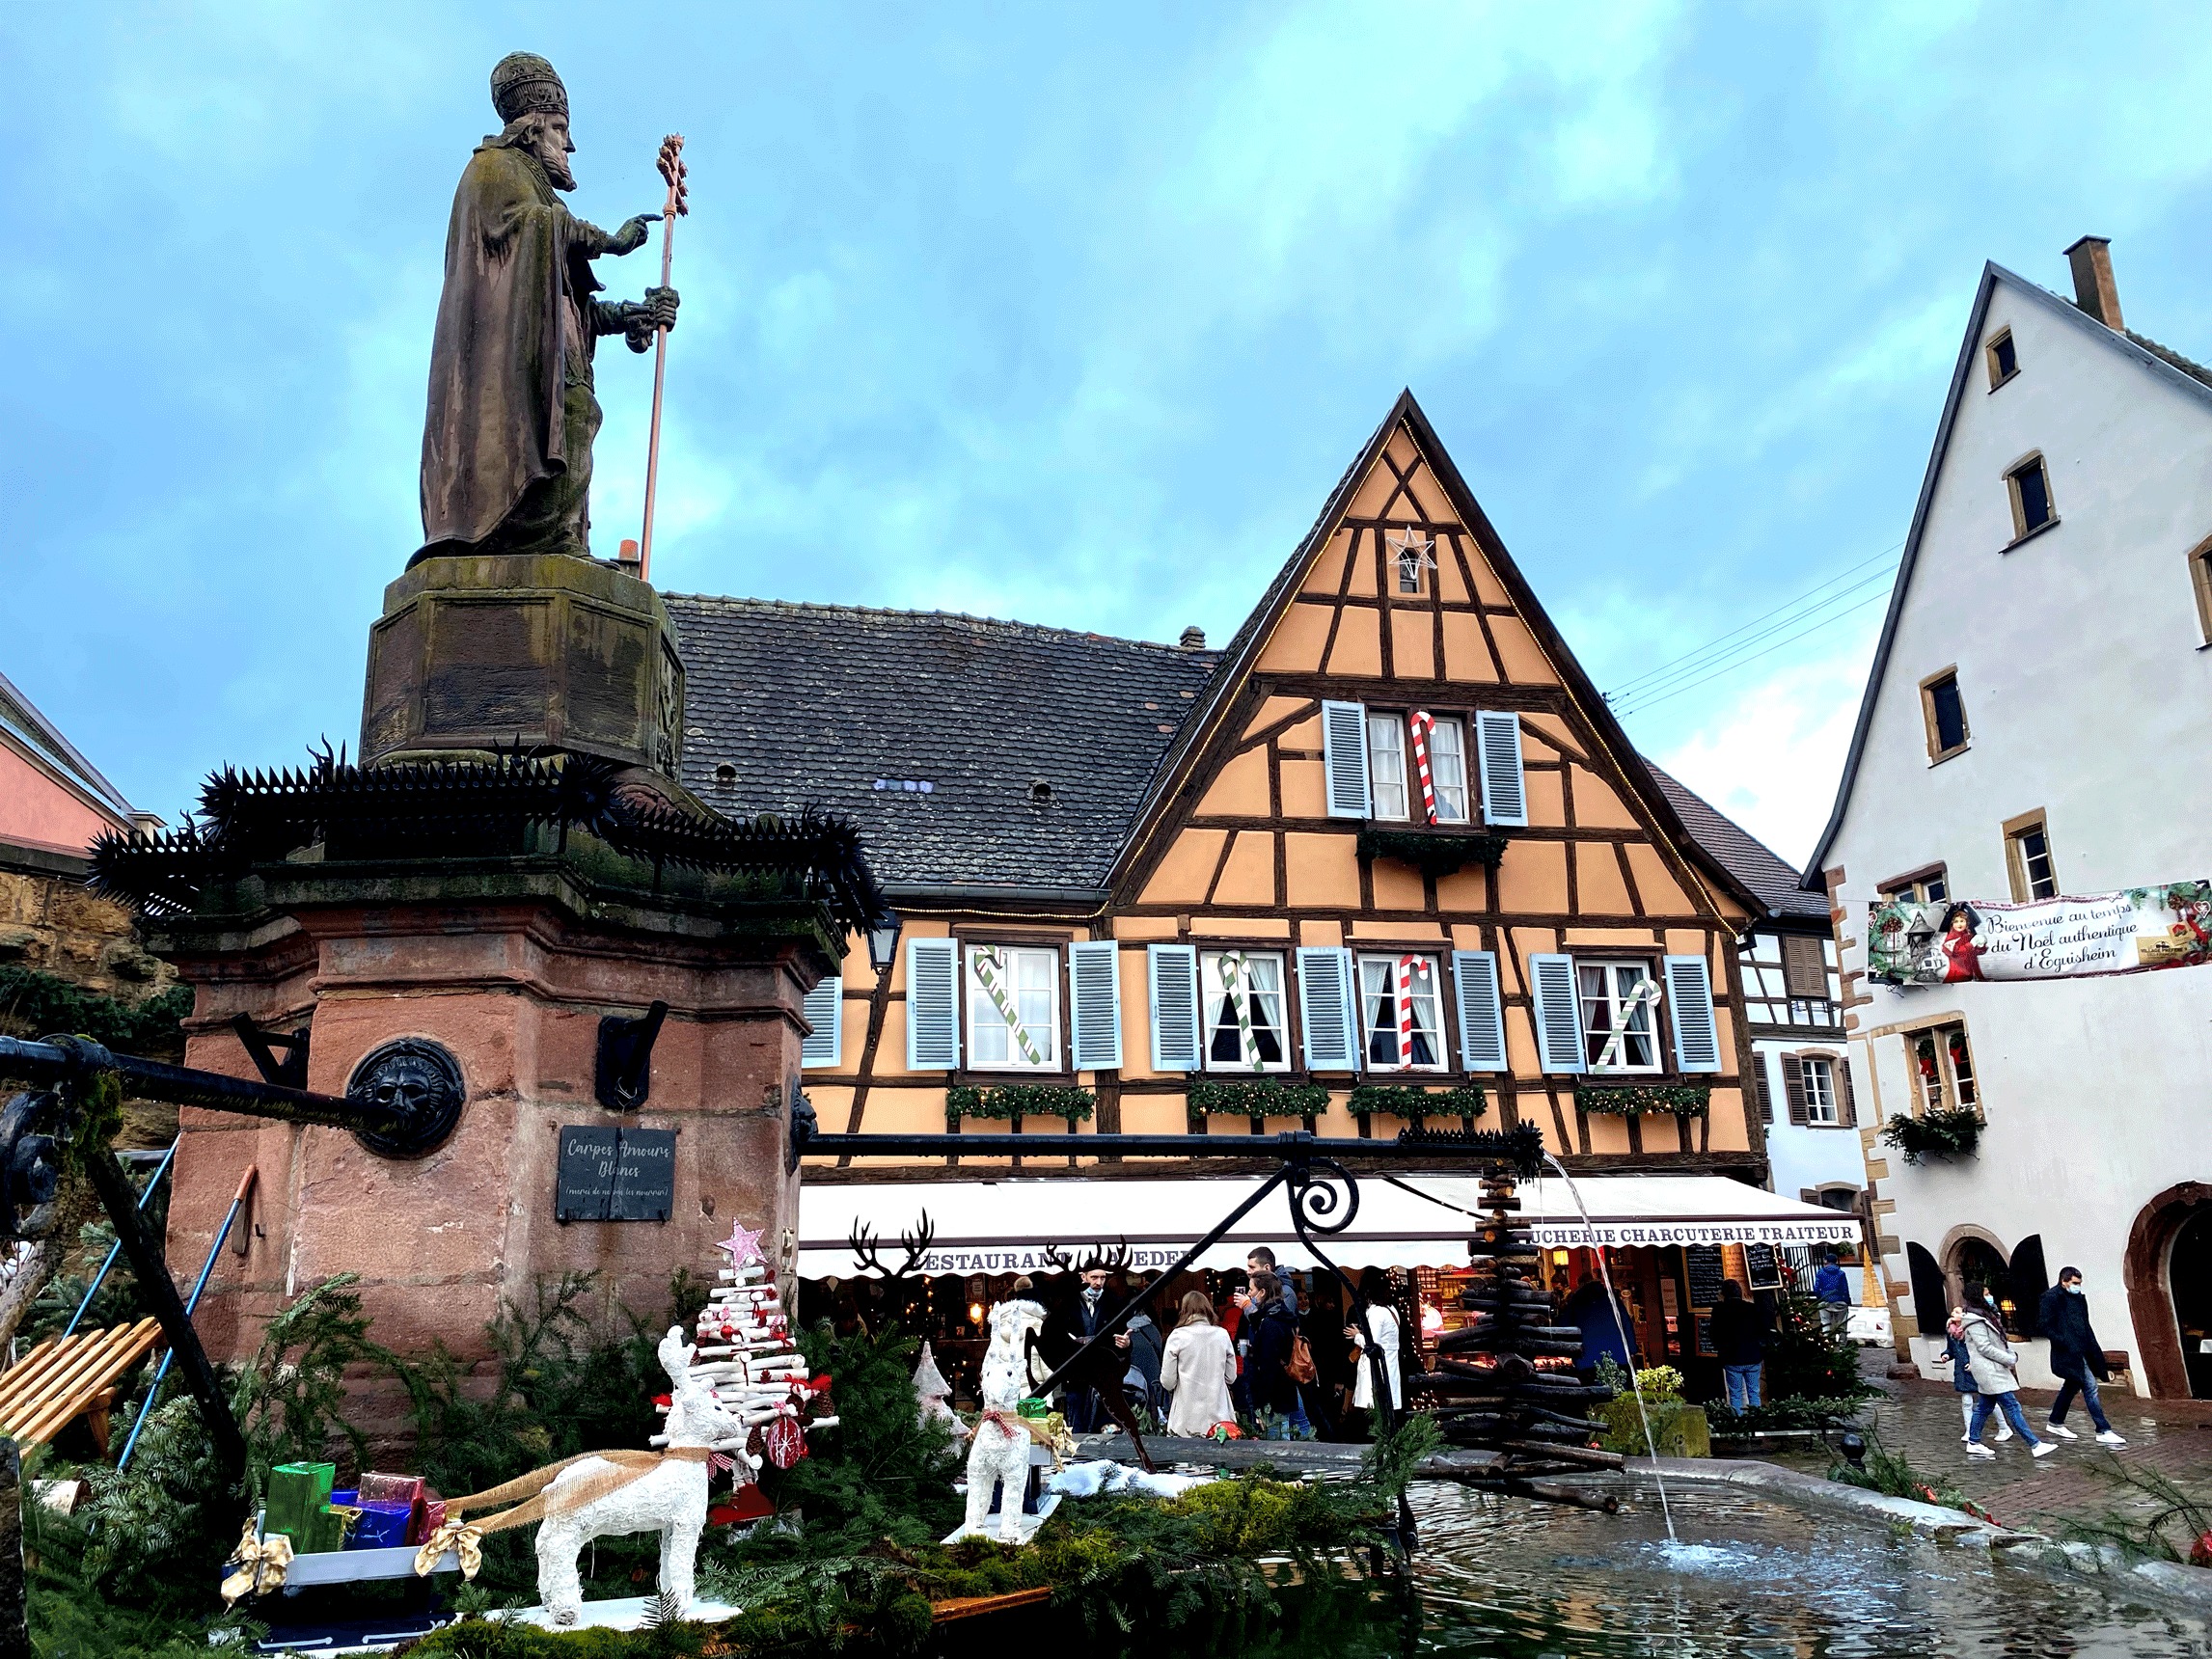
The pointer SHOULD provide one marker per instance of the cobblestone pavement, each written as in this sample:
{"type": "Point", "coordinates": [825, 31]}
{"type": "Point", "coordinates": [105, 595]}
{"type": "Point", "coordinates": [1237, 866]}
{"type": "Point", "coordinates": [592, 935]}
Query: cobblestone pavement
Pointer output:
{"type": "Point", "coordinates": [1920, 1420]}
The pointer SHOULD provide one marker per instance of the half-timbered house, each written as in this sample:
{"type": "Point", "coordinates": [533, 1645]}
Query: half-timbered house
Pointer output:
{"type": "Point", "coordinates": [1385, 857]}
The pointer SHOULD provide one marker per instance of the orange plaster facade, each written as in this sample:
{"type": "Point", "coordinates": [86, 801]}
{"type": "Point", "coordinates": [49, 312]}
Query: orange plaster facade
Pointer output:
{"type": "Point", "coordinates": [1237, 845]}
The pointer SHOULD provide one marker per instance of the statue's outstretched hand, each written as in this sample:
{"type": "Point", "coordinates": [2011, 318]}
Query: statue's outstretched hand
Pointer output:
{"type": "Point", "coordinates": [631, 236]}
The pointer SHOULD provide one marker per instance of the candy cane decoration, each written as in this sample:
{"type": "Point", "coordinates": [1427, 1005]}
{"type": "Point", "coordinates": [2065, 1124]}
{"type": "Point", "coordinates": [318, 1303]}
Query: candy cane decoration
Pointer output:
{"type": "Point", "coordinates": [1421, 723]}
{"type": "Point", "coordinates": [1407, 968]}
{"type": "Point", "coordinates": [989, 966]}
{"type": "Point", "coordinates": [1644, 995]}
{"type": "Point", "coordinates": [1232, 971]}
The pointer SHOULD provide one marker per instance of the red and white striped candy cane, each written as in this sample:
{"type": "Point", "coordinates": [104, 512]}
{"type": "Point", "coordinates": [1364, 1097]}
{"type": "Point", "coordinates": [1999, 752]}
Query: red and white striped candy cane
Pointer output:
{"type": "Point", "coordinates": [1407, 968]}
{"type": "Point", "coordinates": [1420, 723]}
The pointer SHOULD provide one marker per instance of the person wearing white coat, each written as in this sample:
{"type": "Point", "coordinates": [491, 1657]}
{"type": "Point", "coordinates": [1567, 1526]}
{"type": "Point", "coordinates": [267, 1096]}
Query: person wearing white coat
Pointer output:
{"type": "Point", "coordinates": [1196, 1369]}
{"type": "Point", "coordinates": [1996, 1376]}
{"type": "Point", "coordinates": [1381, 1322]}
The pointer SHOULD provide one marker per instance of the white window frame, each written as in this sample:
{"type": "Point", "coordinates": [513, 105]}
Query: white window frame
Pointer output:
{"type": "Point", "coordinates": [1616, 991]}
{"type": "Point", "coordinates": [1823, 1110]}
{"type": "Point", "coordinates": [1449, 809]}
{"type": "Point", "coordinates": [983, 1019]}
{"type": "Point", "coordinates": [1427, 993]}
{"type": "Point", "coordinates": [1213, 995]}
{"type": "Point", "coordinates": [1386, 747]}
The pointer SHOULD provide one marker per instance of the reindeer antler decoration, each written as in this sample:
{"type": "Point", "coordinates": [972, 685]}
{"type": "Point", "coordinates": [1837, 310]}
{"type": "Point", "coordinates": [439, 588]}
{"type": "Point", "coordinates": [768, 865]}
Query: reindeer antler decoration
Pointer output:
{"type": "Point", "coordinates": [863, 1241]}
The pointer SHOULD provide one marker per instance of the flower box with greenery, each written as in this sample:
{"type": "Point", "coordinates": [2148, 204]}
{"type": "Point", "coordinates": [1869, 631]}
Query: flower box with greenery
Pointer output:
{"type": "Point", "coordinates": [1014, 1102]}
{"type": "Point", "coordinates": [1256, 1098]}
{"type": "Point", "coordinates": [1638, 1100]}
{"type": "Point", "coordinates": [1415, 1104]}
{"type": "Point", "coordinates": [1934, 1134]}
{"type": "Point", "coordinates": [1433, 852]}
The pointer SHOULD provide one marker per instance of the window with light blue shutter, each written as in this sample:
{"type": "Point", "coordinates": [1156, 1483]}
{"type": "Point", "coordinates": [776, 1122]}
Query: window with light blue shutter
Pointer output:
{"type": "Point", "coordinates": [1094, 1003]}
{"type": "Point", "coordinates": [825, 1010]}
{"type": "Point", "coordinates": [1482, 1016]}
{"type": "Point", "coordinates": [1497, 750]}
{"type": "Point", "coordinates": [1173, 972]}
{"type": "Point", "coordinates": [1344, 759]}
{"type": "Point", "coordinates": [1558, 1013]}
{"type": "Point", "coordinates": [1689, 1001]}
{"type": "Point", "coordinates": [932, 1005]}
{"type": "Point", "coordinates": [1329, 1014]}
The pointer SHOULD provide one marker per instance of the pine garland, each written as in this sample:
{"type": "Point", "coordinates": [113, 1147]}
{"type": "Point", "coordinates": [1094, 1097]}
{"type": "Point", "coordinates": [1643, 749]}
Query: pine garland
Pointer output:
{"type": "Point", "coordinates": [1011, 1100]}
{"type": "Point", "coordinates": [1635, 1101]}
{"type": "Point", "coordinates": [1257, 1099]}
{"type": "Point", "coordinates": [1934, 1134]}
{"type": "Point", "coordinates": [1416, 1104]}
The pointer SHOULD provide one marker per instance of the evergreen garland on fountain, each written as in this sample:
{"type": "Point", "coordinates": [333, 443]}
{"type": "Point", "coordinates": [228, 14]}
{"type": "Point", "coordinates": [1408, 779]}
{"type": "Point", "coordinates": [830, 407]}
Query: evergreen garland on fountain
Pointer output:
{"type": "Point", "coordinates": [1488, 1393]}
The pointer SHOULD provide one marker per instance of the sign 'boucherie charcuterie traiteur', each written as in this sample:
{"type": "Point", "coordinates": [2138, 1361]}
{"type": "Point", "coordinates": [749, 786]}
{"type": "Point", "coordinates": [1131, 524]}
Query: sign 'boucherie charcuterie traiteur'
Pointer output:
{"type": "Point", "coordinates": [1949, 940]}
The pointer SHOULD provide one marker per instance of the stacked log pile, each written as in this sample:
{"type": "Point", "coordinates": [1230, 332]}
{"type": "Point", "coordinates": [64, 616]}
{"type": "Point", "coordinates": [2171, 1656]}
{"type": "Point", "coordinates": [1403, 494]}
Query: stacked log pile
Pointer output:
{"type": "Point", "coordinates": [1489, 1394]}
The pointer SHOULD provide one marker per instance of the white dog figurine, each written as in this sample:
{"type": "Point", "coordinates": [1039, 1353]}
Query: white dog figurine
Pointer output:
{"type": "Point", "coordinates": [1000, 1453]}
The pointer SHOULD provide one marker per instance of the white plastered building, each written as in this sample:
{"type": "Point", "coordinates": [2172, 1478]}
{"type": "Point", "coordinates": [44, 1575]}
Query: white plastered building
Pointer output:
{"type": "Point", "coordinates": [2038, 722]}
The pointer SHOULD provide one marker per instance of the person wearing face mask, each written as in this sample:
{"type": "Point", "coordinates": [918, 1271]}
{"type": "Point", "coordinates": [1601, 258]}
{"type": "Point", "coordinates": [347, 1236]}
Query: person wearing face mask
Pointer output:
{"type": "Point", "coordinates": [2077, 1357]}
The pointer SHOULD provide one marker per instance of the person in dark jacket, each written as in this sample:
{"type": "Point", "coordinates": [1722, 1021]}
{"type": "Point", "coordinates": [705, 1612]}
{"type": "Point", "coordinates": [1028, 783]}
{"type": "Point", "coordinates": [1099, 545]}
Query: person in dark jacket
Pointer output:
{"type": "Point", "coordinates": [1832, 1292]}
{"type": "Point", "coordinates": [1147, 1346]}
{"type": "Point", "coordinates": [1274, 1391]}
{"type": "Point", "coordinates": [2077, 1357]}
{"type": "Point", "coordinates": [1608, 1329]}
{"type": "Point", "coordinates": [1074, 1322]}
{"type": "Point", "coordinates": [1740, 1338]}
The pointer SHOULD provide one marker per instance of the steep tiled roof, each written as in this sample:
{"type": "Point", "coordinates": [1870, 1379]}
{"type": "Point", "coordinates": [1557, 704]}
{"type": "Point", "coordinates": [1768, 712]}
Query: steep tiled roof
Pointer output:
{"type": "Point", "coordinates": [931, 731]}
{"type": "Point", "coordinates": [1749, 858]}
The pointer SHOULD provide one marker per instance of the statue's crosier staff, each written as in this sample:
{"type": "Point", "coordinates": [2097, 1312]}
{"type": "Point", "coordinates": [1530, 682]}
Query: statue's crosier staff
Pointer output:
{"type": "Point", "coordinates": [671, 162]}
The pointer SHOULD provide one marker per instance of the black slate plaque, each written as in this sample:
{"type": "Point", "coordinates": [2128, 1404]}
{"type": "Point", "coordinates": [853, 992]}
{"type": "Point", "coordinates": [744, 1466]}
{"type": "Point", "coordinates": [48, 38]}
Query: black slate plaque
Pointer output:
{"type": "Point", "coordinates": [610, 1174]}
{"type": "Point", "coordinates": [1764, 1265]}
{"type": "Point", "coordinates": [1704, 1261]}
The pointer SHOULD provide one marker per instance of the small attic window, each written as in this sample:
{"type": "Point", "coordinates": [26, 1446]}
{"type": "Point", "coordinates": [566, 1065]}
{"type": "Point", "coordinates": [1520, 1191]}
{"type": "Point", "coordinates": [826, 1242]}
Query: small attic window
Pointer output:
{"type": "Point", "coordinates": [726, 775]}
{"type": "Point", "coordinates": [2004, 361]}
{"type": "Point", "coordinates": [906, 785]}
{"type": "Point", "coordinates": [1040, 792]}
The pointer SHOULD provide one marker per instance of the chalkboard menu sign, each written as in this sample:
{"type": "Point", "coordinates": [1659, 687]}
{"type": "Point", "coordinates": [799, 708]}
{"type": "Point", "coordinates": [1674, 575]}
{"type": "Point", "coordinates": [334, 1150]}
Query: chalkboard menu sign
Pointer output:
{"type": "Point", "coordinates": [1764, 1265]}
{"type": "Point", "coordinates": [1704, 1261]}
{"type": "Point", "coordinates": [610, 1173]}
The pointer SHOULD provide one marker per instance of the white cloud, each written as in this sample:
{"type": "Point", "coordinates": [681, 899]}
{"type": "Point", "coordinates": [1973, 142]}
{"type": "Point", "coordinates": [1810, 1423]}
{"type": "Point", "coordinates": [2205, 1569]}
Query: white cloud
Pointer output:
{"type": "Point", "coordinates": [1768, 752]}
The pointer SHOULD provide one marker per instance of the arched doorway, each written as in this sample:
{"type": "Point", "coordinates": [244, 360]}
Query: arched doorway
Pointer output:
{"type": "Point", "coordinates": [2168, 1268]}
{"type": "Point", "coordinates": [2189, 1280]}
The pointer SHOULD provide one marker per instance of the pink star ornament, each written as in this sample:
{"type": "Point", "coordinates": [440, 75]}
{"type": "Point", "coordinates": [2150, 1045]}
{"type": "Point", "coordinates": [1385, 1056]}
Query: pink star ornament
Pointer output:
{"type": "Point", "coordinates": [744, 1246]}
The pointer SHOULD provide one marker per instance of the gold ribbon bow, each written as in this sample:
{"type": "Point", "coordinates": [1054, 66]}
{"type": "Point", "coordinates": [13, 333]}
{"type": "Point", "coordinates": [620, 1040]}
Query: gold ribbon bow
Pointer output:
{"type": "Point", "coordinates": [260, 1563]}
{"type": "Point", "coordinates": [463, 1538]}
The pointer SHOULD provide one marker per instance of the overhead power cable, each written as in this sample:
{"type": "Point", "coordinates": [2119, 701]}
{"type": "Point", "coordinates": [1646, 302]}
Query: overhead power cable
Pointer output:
{"type": "Point", "coordinates": [1730, 668]}
{"type": "Point", "coordinates": [1828, 601]}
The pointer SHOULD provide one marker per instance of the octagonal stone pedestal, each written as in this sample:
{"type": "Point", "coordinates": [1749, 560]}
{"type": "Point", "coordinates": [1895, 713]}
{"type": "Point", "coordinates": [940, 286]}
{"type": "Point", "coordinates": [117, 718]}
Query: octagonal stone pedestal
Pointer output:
{"type": "Point", "coordinates": [510, 967]}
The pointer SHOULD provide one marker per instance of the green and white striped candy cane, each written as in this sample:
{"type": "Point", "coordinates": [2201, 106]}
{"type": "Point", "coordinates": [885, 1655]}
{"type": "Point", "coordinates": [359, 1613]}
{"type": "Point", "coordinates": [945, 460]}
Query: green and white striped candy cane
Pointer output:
{"type": "Point", "coordinates": [991, 973]}
{"type": "Point", "coordinates": [1232, 972]}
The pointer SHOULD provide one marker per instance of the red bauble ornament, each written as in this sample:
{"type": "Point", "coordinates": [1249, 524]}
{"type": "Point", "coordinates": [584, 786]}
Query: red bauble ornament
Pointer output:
{"type": "Point", "coordinates": [787, 1442]}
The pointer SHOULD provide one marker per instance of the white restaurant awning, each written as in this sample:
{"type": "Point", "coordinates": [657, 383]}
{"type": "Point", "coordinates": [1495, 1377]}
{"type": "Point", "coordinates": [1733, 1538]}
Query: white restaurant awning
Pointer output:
{"type": "Point", "coordinates": [1004, 1226]}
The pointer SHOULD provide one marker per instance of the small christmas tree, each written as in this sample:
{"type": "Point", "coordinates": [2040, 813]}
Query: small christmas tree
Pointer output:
{"type": "Point", "coordinates": [758, 1374]}
{"type": "Point", "coordinates": [931, 1394]}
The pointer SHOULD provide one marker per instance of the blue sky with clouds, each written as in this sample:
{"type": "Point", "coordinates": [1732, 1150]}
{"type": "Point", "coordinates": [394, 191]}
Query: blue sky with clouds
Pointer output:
{"type": "Point", "coordinates": [1067, 315]}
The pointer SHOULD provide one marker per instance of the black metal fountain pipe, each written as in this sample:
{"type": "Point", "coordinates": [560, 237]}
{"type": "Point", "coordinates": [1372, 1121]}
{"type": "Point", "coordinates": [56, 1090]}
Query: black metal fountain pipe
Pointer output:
{"type": "Point", "coordinates": [49, 1063]}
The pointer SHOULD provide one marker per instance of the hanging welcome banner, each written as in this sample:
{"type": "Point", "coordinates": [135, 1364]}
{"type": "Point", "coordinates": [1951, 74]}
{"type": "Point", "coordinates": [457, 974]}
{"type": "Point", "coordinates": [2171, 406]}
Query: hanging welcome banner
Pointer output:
{"type": "Point", "coordinates": [1950, 940]}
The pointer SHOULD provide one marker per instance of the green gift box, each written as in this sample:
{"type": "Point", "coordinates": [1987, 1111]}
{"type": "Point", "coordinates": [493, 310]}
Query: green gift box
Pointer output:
{"type": "Point", "coordinates": [326, 1530]}
{"type": "Point", "coordinates": [298, 1492]}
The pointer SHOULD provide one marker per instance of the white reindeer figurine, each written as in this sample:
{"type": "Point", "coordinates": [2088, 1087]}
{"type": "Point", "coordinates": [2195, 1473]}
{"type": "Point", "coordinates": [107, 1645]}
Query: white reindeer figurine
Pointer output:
{"type": "Point", "coordinates": [604, 1493]}
{"type": "Point", "coordinates": [1000, 1453]}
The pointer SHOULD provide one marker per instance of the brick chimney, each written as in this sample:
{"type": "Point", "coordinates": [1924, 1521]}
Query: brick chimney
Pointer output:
{"type": "Point", "coordinates": [2094, 290]}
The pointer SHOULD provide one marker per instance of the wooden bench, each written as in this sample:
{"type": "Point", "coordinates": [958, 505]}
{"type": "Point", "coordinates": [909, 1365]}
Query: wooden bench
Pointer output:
{"type": "Point", "coordinates": [67, 1377]}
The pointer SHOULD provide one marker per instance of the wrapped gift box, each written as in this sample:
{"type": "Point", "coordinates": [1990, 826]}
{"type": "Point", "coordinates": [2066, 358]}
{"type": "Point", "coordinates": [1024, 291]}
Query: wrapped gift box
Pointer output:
{"type": "Point", "coordinates": [382, 1526]}
{"type": "Point", "coordinates": [298, 1492]}
{"type": "Point", "coordinates": [407, 1489]}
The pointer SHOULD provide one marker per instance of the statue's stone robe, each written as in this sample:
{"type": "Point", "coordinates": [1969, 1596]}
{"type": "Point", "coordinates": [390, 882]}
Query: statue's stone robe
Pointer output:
{"type": "Point", "coordinates": [506, 446]}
